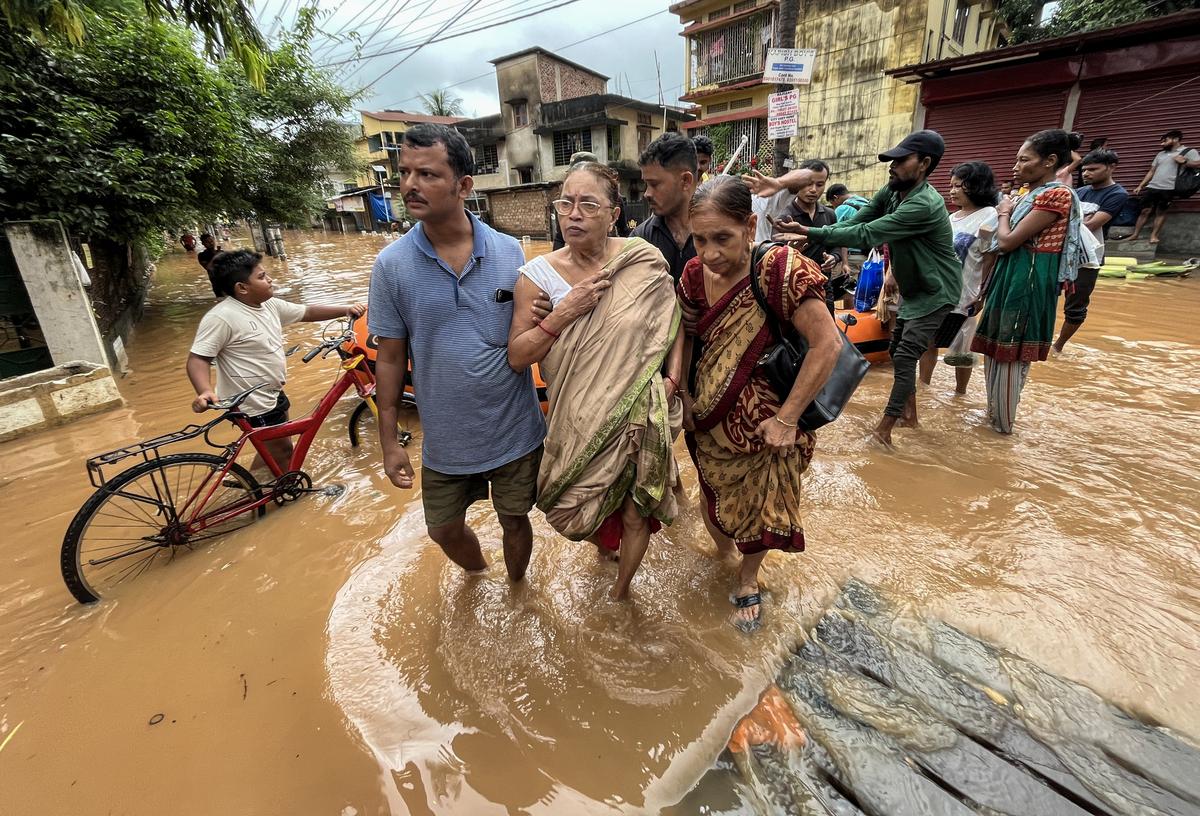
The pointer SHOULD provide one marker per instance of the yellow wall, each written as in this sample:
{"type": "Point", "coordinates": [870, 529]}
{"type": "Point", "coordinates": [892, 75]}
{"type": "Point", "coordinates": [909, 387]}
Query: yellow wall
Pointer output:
{"type": "Point", "coordinates": [373, 127]}
{"type": "Point", "coordinates": [852, 111]}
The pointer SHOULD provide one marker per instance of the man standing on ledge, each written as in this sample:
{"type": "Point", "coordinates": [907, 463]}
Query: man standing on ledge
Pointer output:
{"type": "Point", "coordinates": [910, 217]}
{"type": "Point", "coordinates": [443, 293]}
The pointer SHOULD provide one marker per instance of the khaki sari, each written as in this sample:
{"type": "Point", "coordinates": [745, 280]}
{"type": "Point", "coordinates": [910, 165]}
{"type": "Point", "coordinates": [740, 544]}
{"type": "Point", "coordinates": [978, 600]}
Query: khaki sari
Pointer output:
{"type": "Point", "coordinates": [752, 494]}
{"type": "Point", "coordinates": [610, 427]}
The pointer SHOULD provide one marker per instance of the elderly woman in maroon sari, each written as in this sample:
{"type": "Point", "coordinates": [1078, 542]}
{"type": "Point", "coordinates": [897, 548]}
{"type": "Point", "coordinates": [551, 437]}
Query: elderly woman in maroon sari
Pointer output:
{"type": "Point", "coordinates": [745, 439]}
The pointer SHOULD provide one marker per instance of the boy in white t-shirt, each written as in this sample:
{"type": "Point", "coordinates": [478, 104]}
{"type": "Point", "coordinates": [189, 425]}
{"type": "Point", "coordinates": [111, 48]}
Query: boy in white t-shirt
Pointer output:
{"type": "Point", "coordinates": [243, 335]}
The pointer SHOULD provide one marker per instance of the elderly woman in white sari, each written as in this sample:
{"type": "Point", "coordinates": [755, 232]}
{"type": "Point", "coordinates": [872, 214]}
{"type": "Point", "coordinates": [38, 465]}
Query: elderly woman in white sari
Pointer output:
{"type": "Point", "coordinates": [611, 354]}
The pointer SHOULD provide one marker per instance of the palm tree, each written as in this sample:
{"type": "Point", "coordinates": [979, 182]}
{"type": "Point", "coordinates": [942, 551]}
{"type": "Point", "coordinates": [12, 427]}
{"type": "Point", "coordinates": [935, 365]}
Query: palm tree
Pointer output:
{"type": "Point", "coordinates": [441, 103]}
{"type": "Point", "coordinates": [227, 26]}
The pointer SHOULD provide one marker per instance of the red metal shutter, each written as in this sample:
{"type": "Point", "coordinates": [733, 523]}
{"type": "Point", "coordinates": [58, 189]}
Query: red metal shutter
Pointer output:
{"type": "Point", "coordinates": [1133, 110]}
{"type": "Point", "coordinates": [991, 129]}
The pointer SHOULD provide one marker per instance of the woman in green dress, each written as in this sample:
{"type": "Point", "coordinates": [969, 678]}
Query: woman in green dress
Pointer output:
{"type": "Point", "coordinates": [1039, 242]}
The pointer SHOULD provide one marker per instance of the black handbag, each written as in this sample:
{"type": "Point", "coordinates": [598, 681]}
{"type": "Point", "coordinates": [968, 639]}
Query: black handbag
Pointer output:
{"type": "Point", "coordinates": [781, 363]}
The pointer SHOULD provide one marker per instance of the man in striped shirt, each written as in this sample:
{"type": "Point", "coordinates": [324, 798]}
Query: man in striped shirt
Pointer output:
{"type": "Point", "coordinates": [442, 295]}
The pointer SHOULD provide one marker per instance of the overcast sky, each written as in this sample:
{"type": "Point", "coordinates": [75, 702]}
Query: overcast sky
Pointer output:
{"type": "Point", "coordinates": [625, 55]}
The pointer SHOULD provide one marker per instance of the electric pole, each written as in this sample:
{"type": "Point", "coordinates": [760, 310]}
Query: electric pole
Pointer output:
{"type": "Point", "coordinates": [789, 12]}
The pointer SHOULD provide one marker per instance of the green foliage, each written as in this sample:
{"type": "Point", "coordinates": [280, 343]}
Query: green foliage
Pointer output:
{"type": "Point", "coordinates": [134, 131]}
{"type": "Point", "coordinates": [154, 244]}
{"type": "Point", "coordinates": [226, 26]}
{"type": "Point", "coordinates": [1077, 16]}
{"type": "Point", "coordinates": [441, 103]}
{"type": "Point", "coordinates": [293, 133]}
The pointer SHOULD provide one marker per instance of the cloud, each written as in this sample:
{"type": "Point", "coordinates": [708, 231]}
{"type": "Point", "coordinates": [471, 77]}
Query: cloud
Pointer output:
{"type": "Point", "coordinates": [626, 56]}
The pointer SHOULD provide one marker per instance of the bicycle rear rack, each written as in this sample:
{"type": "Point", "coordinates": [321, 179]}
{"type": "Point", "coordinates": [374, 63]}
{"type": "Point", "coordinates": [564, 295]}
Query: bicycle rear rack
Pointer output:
{"type": "Point", "coordinates": [147, 449]}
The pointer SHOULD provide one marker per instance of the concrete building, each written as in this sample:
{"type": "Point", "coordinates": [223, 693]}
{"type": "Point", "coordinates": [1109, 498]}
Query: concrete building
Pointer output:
{"type": "Point", "coordinates": [382, 133]}
{"type": "Point", "coordinates": [551, 108]}
{"type": "Point", "coordinates": [377, 142]}
{"type": "Point", "coordinates": [1128, 84]}
{"type": "Point", "coordinates": [852, 108]}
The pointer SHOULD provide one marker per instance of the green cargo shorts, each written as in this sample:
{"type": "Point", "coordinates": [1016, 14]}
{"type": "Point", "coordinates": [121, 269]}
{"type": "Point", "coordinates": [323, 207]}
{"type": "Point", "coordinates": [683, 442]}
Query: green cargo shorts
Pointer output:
{"type": "Point", "coordinates": [446, 497]}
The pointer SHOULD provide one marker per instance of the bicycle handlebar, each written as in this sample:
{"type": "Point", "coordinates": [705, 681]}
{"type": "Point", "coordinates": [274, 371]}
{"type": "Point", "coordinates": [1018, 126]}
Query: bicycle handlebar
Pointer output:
{"type": "Point", "coordinates": [233, 402]}
{"type": "Point", "coordinates": [328, 345]}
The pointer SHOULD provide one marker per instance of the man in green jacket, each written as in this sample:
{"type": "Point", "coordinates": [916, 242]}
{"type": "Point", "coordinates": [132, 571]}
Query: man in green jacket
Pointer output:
{"type": "Point", "coordinates": [910, 217]}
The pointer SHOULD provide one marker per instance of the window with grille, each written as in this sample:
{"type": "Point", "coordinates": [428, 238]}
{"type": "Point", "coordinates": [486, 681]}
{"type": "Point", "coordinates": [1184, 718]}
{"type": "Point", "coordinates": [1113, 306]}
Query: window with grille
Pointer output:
{"type": "Point", "coordinates": [745, 5]}
{"type": "Point", "coordinates": [486, 160]}
{"type": "Point", "coordinates": [741, 103]}
{"type": "Point", "coordinates": [720, 107]}
{"type": "Point", "coordinates": [732, 52]}
{"type": "Point", "coordinates": [643, 119]}
{"type": "Point", "coordinates": [520, 113]}
{"type": "Point", "coordinates": [718, 14]}
{"type": "Point", "coordinates": [962, 14]}
{"type": "Point", "coordinates": [567, 142]}
{"type": "Point", "coordinates": [614, 143]}
{"type": "Point", "coordinates": [644, 139]}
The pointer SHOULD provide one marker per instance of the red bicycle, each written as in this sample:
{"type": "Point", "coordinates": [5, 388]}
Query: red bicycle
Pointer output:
{"type": "Point", "coordinates": [142, 517]}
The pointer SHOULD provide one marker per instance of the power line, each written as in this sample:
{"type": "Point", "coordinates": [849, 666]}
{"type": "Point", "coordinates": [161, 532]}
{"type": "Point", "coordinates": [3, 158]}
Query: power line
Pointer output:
{"type": "Point", "coordinates": [396, 8]}
{"type": "Point", "coordinates": [406, 28]}
{"type": "Point", "coordinates": [357, 15]}
{"type": "Point", "coordinates": [480, 26]}
{"type": "Point", "coordinates": [432, 38]}
{"type": "Point", "coordinates": [433, 21]}
{"type": "Point", "coordinates": [491, 17]}
{"type": "Point", "coordinates": [557, 48]}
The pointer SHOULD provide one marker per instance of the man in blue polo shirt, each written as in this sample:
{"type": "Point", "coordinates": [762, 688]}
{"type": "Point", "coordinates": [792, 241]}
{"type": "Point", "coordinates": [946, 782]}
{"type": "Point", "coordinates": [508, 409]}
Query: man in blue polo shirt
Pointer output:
{"type": "Point", "coordinates": [443, 294]}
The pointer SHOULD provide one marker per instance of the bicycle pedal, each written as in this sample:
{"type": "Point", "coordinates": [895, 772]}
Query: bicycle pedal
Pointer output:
{"type": "Point", "coordinates": [404, 437]}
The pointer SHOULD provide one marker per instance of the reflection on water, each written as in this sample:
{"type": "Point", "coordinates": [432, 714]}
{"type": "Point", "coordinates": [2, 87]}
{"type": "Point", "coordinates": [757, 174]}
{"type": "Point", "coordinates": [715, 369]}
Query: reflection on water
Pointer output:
{"type": "Point", "coordinates": [327, 658]}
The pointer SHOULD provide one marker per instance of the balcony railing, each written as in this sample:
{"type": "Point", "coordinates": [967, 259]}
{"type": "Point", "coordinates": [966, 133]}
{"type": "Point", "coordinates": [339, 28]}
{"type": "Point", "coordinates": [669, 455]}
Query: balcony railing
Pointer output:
{"type": "Point", "coordinates": [732, 53]}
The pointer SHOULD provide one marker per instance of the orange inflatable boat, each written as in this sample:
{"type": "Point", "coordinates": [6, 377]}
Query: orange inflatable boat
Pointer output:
{"type": "Point", "coordinates": [868, 335]}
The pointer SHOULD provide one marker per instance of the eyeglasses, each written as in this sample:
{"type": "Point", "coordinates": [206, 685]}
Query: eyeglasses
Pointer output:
{"type": "Point", "coordinates": [590, 209]}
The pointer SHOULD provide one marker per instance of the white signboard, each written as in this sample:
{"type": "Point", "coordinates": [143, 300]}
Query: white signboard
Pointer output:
{"type": "Point", "coordinates": [781, 127]}
{"type": "Point", "coordinates": [786, 103]}
{"type": "Point", "coordinates": [349, 204]}
{"type": "Point", "coordinates": [782, 114]}
{"type": "Point", "coordinates": [789, 66]}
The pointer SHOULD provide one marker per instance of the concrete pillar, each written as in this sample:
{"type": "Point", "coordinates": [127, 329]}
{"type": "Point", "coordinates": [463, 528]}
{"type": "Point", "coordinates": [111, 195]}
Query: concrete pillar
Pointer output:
{"type": "Point", "coordinates": [1071, 110]}
{"type": "Point", "coordinates": [63, 308]}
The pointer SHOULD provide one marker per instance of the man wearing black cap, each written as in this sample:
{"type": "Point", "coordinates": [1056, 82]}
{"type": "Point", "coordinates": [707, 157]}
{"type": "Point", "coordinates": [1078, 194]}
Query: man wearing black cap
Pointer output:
{"type": "Point", "coordinates": [910, 217]}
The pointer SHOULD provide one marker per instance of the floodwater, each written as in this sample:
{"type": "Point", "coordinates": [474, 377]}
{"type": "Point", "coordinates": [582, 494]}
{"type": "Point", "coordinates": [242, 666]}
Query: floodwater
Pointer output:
{"type": "Point", "coordinates": [328, 660]}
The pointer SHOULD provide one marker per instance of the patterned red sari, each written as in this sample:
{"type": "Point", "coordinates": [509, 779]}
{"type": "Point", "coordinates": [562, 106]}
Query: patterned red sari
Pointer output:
{"type": "Point", "coordinates": [752, 494]}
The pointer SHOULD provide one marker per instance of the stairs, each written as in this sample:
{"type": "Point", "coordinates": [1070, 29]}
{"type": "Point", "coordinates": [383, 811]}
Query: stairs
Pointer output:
{"type": "Point", "coordinates": [1141, 249]}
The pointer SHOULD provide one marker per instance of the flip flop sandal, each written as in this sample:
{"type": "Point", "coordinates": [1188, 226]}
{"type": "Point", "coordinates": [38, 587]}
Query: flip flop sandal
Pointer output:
{"type": "Point", "coordinates": [745, 602]}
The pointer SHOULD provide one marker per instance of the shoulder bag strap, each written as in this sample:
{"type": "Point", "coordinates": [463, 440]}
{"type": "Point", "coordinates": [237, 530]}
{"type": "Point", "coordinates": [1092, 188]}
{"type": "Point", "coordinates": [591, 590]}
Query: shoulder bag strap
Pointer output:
{"type": "Point", "coordinates": [756, 257]}
{"type": "Point", "coordinates": [785, 334]}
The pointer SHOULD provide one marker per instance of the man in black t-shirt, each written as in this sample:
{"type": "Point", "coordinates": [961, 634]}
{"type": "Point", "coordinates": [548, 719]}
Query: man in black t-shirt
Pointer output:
{"type": "Point", "coordinates": [669, 172]}
{"type": "Point", "coordinates": [1102, 200]}
{"type": "Point", "coordinates": [807, 210]}
{"type": "Point", "coordinates": [205, 257]}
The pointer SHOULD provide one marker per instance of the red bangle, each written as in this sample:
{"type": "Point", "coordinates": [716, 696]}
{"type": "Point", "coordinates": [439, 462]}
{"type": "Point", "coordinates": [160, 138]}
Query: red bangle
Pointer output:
{"type": "Point", "coordinates": [547, 331]}
{"type": "Point", "coordinates": [674, 382]}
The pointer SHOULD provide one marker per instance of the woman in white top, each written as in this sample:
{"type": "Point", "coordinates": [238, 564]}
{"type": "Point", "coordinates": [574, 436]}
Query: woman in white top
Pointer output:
{"type": "Point", "coordinates": [607, 475]}
{"type": "Point", "coordinates": [973, 191]}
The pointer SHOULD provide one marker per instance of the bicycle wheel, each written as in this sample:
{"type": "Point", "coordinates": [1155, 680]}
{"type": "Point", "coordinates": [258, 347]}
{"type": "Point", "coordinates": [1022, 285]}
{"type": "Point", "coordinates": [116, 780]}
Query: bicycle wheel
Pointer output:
{"type": "Point", "coordinates": [362, 424]}
{"type": "Point", "coordinates": [132, 524]}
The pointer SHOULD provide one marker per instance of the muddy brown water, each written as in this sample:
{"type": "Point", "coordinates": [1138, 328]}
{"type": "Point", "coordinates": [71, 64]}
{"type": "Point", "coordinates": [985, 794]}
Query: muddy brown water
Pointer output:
{"type": "Point", "coordinates": [327, 660]}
